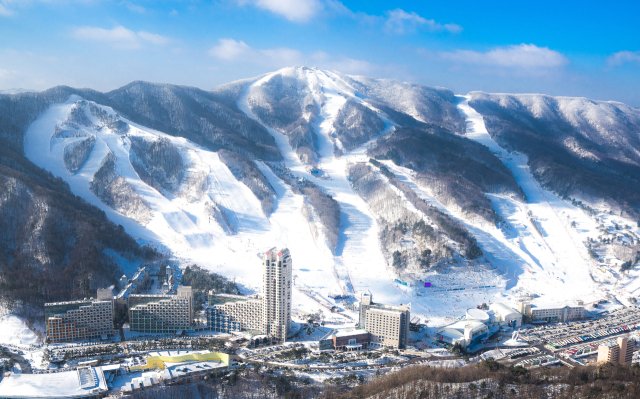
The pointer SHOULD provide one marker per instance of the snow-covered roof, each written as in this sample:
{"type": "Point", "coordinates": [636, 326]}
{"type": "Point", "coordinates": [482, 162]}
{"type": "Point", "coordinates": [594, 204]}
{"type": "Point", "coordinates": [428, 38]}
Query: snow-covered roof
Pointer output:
{"type": "Point", "coordinates": [349, 332]}
{"type": "Point", "coordinates": [460, 325]}
{"type": "Point", "coordinates": [67, 384]}
{"type": "Point", "coordinates": [552, 306]}
{"type": "Point", "coordinates": [453, 334]}
{"type": "Point", "coordinates": [327, 335]}
{"type": "Point", "coordinates": [384, 310]}
{"type": "Point", "coordinates": [502, 309]}
{"type": "Point", "coordinates": [477, 314]}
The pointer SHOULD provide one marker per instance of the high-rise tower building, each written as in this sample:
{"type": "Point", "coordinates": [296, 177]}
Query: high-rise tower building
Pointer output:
{"type": "Point", "coordinates": [270, 314]}
{"type": "Point", "coordinates": [276, 305]}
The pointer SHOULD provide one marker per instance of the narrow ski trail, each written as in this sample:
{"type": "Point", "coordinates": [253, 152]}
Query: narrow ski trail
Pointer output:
{"type": "Point", "coordinates": [561, 260]}
{"type": "Point", "coordinates": [358, 261]}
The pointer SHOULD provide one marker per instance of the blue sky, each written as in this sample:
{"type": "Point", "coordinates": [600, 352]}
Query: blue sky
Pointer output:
{"type": "Point", "coordinates": [571, 48]}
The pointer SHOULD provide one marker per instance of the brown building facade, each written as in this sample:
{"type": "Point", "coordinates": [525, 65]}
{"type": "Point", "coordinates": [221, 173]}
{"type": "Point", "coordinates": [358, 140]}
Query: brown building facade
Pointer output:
{"type": "Point", "coordinates": [619, 352]}
{"type": "Point", "coordinates": [388, 325]}
{"type": "Point", "coordinates": [351, 339]}
{"type": "Point", "coordinates": [79, 320]}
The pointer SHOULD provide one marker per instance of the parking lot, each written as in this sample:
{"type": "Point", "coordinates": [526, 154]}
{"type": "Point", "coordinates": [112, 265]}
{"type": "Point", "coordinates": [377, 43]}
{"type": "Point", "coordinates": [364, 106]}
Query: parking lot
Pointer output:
{"type": "Point", "coordinates": [255, 353]}
{"type": "Point", "coordinates": [584, 350]}
{"type": "Point", "coordinates": [565, 334]}
{"type": "Point", "coordinates": [539, 361]}
{"type": "Point", "coordinates": [518, 353]}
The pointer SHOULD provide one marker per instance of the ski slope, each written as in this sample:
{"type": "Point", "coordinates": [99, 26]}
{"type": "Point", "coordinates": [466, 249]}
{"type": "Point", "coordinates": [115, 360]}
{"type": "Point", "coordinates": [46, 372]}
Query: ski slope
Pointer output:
{"type": "Point", "coordinates": [178, 224]}
{"type": "Point", "coordinates": [358, 263]}
{"type": "Point", "coordinates": [14, 331]}
{"type": "Point", "coordinates": [553, 265]}
{"type": "Point", "coordinates": [557, 258]}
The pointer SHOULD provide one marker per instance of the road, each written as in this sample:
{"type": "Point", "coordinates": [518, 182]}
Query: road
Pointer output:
{"type": "Point", "coordinates": [24, 364]}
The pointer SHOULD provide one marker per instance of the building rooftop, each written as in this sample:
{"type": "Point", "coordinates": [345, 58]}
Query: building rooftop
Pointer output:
{"type": "Point", "coordinates": [327, 335]}
{"type": "Point", "coordinates": [551, 306]}
{"type": "Point", "coordinates": [85, 301]}
{"type": "Point", "coordinates": [350, 331]}
{"type": "Point", "coordinates": [399, 308]}
{"type": "Point", "coordinates": [447, 332]}
{"type": "Point", "coordinates": [219, 299]}
{"type": "Point", "coordinates": [385, 310]}
{"type": "Point", "coordinates": [67, 384]}
{"type": "Point", "coordinates": [461, 325]}
{"type": "Point", "coordinates": [502, 309]}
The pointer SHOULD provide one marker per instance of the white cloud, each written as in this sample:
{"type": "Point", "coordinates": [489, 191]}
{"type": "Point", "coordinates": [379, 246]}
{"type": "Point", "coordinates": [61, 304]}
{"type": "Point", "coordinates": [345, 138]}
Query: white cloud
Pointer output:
{"type": "Point", "coordinates": [4, 11]}
{"type": "Point", "coordinates": [623, 57]}
{"type": "Point", "coordinates": [153, 38]}
{"type": "Point", "coordinates": [231, 50]}
{"type": "Point", "coordinates": [396, 21]}
{"type": "Point", "coordinates": [119, 37]}
{"type": "Point", "coordinates": [400, 22]}
{"type": "Point", "coordinates": [293, 10]}
{"type": "Point", "coordinates": [9, 8]}
{"type": "Point", "coordinates": [134, 7]}
{"type": "Point", "coordinates": [525, 56]}
{"type": "Point", "coordinates": [238, 51]}
{"type": "Point", "coordinates": [341, 64]}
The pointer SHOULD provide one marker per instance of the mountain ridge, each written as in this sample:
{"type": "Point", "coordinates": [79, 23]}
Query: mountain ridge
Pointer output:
{"type": "Point", "coordinates": [366, 180]}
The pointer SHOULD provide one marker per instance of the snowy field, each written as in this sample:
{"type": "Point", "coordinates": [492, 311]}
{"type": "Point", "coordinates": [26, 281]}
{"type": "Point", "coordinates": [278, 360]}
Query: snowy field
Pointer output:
{"type": "Point", "coordinates": [14, 331]}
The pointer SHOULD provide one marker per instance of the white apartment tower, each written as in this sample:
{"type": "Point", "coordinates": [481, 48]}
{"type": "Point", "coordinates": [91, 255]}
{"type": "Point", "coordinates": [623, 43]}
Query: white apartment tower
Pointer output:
{"type": "Point", "coordinates": [276, 301]}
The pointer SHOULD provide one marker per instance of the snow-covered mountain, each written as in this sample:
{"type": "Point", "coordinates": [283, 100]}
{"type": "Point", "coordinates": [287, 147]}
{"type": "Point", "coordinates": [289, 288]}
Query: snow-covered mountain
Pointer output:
{"type": "Point", "coordinates": [367, 181]}
{"type": "Point", "coordinates": [577, 147]}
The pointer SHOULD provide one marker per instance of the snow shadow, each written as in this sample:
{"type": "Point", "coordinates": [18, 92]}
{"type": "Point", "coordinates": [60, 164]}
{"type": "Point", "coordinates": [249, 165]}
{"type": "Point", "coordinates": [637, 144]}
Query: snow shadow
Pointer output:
{"type": "Point", "coordinates": [350, 217]}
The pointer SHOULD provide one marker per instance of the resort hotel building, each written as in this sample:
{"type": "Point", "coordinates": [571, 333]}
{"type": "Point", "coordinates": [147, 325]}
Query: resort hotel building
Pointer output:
{"type": "Point", "coordinates": [269, 314]}
{"type": "Point", "coordinates": [552, 313]}
{"type": "Point", "coordinates": [161, 314]}
{"type": "Point", "coordinates": [79, 320]}
{"type": "Point", "coordinates": [620, 351]}
{"type": "Point", "coordinates": [387, 325]}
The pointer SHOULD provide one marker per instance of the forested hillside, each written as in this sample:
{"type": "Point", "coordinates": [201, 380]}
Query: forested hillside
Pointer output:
{"type": "Point", "coordinates": [490, 379]}
{"type": "Point", "coordinates": [195, 114]}
{"type": "Point", "coordinates": [577, 147]}
{"type": "Point", "coordinates": [457, 170]}
{"type": "Point", "coordinates": [52, 243]}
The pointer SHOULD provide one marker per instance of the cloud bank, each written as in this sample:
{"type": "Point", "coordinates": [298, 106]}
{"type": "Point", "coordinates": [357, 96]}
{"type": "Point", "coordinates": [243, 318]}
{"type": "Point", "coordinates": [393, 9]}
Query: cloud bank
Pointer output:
{"type": "Point", "coordinates": [523, 56]}
{"type": "Point", "coordinates": [400, 22]}
{"type": "Point", "coordinates": [623, 57]}
{"type": "Point", "coordinates": [119, 37]}
{"type": "Point", "coordinates": [230, 50]}
{"type": "Point", "coordinates": [293, 10]}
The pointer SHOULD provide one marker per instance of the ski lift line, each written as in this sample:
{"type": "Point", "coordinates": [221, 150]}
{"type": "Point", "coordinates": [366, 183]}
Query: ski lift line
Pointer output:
{"type": "Point", "coordinates": [353, 287]}
{"type": "Point", "coordinates": [223, 195]}
{"type": "Point", "coordinates": [335, 274]}
{"type": "Point", "coordinates": [557, 217]}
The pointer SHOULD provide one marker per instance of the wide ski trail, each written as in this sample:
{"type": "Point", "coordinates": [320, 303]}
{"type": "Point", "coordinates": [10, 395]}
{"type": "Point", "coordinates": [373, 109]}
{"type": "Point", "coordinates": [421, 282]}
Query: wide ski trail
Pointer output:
{"type": "Point", "coordinates": [561, 261]}
{"type": "Point", "coordinates": [358, 261]}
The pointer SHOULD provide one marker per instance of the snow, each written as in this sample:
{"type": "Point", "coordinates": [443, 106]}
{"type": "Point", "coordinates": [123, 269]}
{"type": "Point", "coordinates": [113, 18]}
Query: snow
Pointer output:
{"type": "Point", "coordinates": [54, 385]}
{"type": "Point", "coordinates": [178, 225]}
{"type": "Point", "coordinates": [555, 265]}
{"type": "Point", "coordinates": [557, 261]}
{"type": "Point", "coordinates": [14, 331]}
{"type": "Point", "coordinates": [358, 262]}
